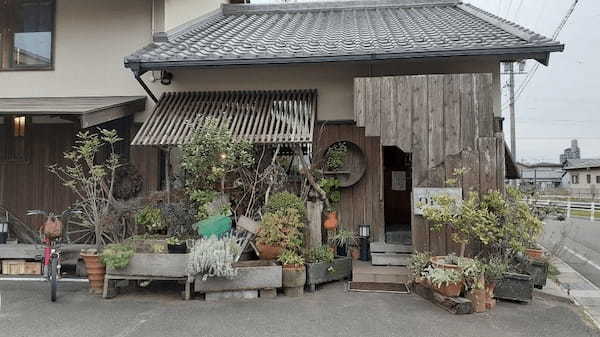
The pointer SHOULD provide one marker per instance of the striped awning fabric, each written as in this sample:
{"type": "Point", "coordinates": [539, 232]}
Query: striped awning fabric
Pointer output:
{"type": "Point", "coordinates": [260, 117]}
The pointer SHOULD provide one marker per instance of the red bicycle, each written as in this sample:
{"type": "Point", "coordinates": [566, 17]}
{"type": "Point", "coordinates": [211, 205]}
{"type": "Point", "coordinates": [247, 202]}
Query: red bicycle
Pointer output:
{"type": "Point", "coordinates": [51, 233]}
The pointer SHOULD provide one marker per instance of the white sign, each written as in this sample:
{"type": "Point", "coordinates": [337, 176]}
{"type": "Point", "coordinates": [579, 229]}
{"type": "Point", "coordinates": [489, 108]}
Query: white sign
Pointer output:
{"type": "Point", "coordinates": [424, 196]}
{"type": "Point", "coordinates": [398, 181]}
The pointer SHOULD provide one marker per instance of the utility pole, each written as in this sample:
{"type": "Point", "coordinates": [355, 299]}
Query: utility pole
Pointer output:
{"type": "Point", "coordinates": [511, 88]}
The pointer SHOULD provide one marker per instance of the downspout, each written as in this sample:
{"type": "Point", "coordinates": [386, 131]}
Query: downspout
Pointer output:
{"type": "Point", "coordinates": [138, 77]}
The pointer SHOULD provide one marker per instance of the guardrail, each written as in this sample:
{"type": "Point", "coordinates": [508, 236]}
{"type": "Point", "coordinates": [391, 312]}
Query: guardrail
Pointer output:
{"type": "Point", "coordinates": [572, 208]}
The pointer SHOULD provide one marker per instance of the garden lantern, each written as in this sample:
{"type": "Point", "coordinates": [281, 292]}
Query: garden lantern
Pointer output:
{"type": "Point", "coordinates": [364, 232]}
{"type": "Point", "coordinates": [4, 230]}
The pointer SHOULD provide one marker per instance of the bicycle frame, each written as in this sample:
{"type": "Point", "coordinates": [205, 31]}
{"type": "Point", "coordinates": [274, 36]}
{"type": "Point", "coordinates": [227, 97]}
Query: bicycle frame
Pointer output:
{"type": "Point", "coordinates": [50, 250]}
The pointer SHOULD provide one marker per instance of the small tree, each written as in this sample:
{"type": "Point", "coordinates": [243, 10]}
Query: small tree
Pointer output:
{"type": "Point", "coordinates": [91, 179]}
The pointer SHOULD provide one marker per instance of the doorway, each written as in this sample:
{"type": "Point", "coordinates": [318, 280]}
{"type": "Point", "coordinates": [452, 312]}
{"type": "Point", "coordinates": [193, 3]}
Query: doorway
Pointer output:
{"type": "Point", "coordinates": [397, 181]}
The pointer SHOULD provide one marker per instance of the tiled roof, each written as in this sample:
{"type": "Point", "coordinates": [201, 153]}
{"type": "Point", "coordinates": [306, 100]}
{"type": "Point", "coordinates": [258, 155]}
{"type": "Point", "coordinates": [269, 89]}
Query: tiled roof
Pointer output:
{"type": "Point", "coordinates": [338, 31]}
{"type": "Point", "coordinates": [573, 164]}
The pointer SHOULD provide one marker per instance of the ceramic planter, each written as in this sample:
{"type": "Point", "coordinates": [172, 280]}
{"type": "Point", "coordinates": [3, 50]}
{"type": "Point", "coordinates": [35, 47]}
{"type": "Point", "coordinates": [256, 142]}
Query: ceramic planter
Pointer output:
{"type": "Point", "coordinates": [331, 221]}
{"type": "Point", "coordinates": [534, 254]}
{"type": "Point", "coordinates": [95, 272]}
{"type": "Point", "coordinates": [268, 252]}
{"type": "Point", "coordinates": [177, 249]}
{"type": "Point", "coordinates": [449, 290]}
{"type": "Point", "coordinates": [479, 299]}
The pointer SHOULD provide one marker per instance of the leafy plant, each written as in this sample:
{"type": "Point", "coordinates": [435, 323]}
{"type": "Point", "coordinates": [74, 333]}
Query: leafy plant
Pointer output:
{"type": "Point", "coordinates": [92, 180]}
{"type": "Point", "coordinates": [331, 187]}
{"type": "Point", "coordinates": [213, 257]}
{"type": "Point", "coordinates": [343, 238]}
{"type": "Point", "coordinates": [284, 200]}
{"type": "Point", "coordinates": [117, 256]}
{"type": "Point", "coordinates": [440, 277]}
{"type": "Point", "coordinates": [291, 258]}
{"type": "Point", "coordinates": [418, 263]}
{"type": "Point", "coordinates": [174, 241]}
{"type": "Point", "coordinates": [336, 154]}
{"type": "Point", "coordinates": [151, 218]}
{"type": "Point", "coordinates": [322, 254]}
{"type": "Point", "coordinates": [282, 229]}
{"type": "Point", "coordinates": [494, 269]}
{"type": "Point", "coordinates": [473, 273]}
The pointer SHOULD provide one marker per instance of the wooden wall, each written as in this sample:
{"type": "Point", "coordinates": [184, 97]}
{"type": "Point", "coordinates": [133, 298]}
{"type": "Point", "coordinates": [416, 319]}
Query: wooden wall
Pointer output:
{"type": "Point", "coordinates": [446, 122]}
{"type": "Point", "coordinates": [363, 202]}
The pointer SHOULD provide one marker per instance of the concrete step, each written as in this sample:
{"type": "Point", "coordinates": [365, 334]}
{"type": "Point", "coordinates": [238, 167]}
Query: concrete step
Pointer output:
{"type": "Point", "coordinates": [390, 259]}
{"type": "Point", "coordinates": [382, 247]}
{"type": "Point", "coordinates": [363, 271]}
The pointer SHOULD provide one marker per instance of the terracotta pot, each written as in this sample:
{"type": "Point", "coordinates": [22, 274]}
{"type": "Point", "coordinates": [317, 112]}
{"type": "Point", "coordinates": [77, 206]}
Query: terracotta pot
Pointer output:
{"type": "Point", "coordinates": [95, 272]}
{"type": "Point", "coordinates": [436, 261]}
{"type": "Point", "coordinates": [268, 252]}
{"type": "Point", "coordinates": [355, 253]}
{"type": "Point", "coordinates": [534, 254]}
{"type": "Point", "coordinates": [490, 302]}
{"type": "Point", "coordinates": [450, 290]}
{"type": "Point", "coordinates": [331, 221]}
{"type": "Point", "coordinates": [479, 299]}
{"type": "Point", "coordinates": [293, 276]}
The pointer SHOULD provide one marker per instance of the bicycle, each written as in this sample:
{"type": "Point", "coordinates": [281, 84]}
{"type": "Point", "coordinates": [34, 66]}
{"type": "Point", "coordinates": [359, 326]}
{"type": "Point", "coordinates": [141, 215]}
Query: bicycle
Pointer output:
{"type": "Point", "coordinates": [52, 249]}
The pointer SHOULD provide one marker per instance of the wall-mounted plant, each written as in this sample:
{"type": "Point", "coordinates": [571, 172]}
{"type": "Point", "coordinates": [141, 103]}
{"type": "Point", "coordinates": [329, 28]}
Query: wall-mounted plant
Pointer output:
{"type": "Point", "coordinates": [117, 256]}
{"type": "Point", "coordinates": [336, 155]}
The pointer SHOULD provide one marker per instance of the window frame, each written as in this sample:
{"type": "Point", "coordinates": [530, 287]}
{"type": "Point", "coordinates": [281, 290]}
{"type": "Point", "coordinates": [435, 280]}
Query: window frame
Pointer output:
{"type": "Point", "coordinates": [575, 179]}
{"type": "Point", "coordinates": [8, 150]}
{"type": "Point", "coordinates": [7, 27]}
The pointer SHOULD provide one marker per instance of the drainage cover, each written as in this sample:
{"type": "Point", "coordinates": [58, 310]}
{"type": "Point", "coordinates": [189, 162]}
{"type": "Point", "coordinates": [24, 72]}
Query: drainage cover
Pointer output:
{"type": "Point", "coordinates": [377, 287]}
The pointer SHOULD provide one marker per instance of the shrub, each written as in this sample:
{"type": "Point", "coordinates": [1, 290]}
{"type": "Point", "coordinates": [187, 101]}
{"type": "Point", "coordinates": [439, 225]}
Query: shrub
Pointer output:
{"type": "Point", "coordinates": [419, 263]}
{"type": "Point", "coordinates": [321, 254]}
{"type": "Point", "coordinates": [117, 256]}
{"type": "Point", "coordinates": [283, 200]}
{"type": "Point", "coordinates": [440, 277]}
{"type": "Point", "coordinates": [282, 229]}
{"type": "Point", "coordinates": [291, 258]}
{"type": "Point", "coordinates": [151, 218]}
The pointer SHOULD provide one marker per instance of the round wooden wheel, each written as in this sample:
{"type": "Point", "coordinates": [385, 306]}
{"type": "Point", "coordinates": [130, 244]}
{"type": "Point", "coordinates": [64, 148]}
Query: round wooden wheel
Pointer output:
{"type": "Point", "coordinates": [79, 231]}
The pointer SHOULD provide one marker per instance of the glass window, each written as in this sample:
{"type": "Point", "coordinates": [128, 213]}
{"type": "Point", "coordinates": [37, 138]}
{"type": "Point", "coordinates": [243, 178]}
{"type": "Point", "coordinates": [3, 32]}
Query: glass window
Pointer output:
{"type": "Point", "coordinates": [14, 135]}
{"type": "Point", "coordinates": [575, 179]}
{"type": "Point", "coordinates": [28, 34]}
{"type": "Point", "coordinates": [597, 179]}
{"type": "Point", "coordinates": [588, 178]}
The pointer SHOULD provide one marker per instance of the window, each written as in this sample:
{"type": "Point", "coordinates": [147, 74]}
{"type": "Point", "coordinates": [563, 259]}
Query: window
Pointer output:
{"type": "Point", "coordinates": [588, 178]}
{"type": "Point", "coordinates": [597, 179]}
{"type": "Point", "coordinates": [26, 34]}
{"type": "Point", "coordinates": [575, 179]}
{"type": "Point", "coordinates": [15, 135]}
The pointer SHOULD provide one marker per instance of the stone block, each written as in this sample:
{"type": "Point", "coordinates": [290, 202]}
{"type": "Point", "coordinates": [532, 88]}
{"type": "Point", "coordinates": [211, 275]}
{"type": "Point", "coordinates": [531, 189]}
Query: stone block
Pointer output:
{"type": "Point", "coordinates": [231, 295]}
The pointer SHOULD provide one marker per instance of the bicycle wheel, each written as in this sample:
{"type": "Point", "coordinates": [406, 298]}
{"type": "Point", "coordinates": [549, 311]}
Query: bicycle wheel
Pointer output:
{"type": "Point", "coordinates": [53, 277]}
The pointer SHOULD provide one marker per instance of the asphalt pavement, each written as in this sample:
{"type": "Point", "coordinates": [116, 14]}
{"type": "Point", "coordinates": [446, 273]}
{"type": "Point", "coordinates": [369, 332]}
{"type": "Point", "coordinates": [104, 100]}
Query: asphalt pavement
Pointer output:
{"type": "Point", "coordinates": [25, 312]}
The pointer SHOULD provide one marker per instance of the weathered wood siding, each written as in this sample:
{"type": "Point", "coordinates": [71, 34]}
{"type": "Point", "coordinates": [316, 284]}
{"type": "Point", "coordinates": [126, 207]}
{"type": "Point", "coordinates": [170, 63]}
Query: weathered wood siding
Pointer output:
{"type": "Point", "coordinates": [446, 122]}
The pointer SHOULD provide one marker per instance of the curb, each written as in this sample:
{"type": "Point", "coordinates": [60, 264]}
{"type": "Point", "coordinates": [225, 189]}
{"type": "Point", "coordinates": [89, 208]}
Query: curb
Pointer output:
{"type": "Point", "coordinates": [567, 299]}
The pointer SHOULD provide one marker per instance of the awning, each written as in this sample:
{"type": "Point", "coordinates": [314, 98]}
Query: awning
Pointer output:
{"type": "Point", "coordinates": [90, 110]}
{"type": "Point", "coordinates": [261, 117]}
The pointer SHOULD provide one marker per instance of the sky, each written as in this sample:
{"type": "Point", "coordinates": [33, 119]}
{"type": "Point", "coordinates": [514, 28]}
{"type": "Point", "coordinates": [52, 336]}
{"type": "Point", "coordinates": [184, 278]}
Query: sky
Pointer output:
{"type": "Point", "coordinates": [561, 101]}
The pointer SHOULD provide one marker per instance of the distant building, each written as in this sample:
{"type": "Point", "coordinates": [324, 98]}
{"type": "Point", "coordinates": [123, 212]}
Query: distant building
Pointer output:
{"type": "Point", "coordinates": [572, 152]}
{"type": "Point", "coordinates": [582, 177]}
{"type": "Point", "coordinates": [541, 176]}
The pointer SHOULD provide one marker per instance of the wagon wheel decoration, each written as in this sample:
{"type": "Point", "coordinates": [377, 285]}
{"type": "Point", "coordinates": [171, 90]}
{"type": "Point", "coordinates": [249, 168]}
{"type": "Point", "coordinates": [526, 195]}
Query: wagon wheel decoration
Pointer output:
{"type": "Point", "coordinates": [80, 231]}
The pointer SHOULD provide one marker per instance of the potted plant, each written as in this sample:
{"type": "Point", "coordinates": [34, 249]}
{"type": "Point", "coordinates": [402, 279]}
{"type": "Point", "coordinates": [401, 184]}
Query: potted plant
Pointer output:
{"type": "Point", "coordinates": [418, 264]}
{"type": "Point", "coordinates": [117, 256]}
{"type": "Point", "coordinates": [342, 240]}
{"type": "Point", "coordinates": [278, 231]}
{"type": "Point", "coordinates": [447, 282]}
{"type": "Point", "coordinates": [93, 181]}
{"type": "Point", "coordinates": [473, 275]}
{"type": "Point", "coordinates": [331, 187]}
{"type": "Point", "coordinates": [494, 270]}
{"type": "Point", "coordinates": [152, 219]}
{"type": "Point", "coordinates": [451, 261]}
{"type": "Point", "coordinates": [293, 274]}
{"type": "Point", "coordinates": [176, 245]}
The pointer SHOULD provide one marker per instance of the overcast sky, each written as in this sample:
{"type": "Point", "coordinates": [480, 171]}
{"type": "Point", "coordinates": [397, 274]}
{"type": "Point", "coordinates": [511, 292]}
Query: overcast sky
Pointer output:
{"type": "Point", "coordinates": [560, 102]}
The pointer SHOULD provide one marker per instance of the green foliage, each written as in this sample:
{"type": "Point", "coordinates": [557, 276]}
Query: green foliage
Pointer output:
{"type": "Point", "coordinates": [418, 263]}
{"type": "Point", "coordinates": [210, 158]}
{"type": "Point", "coordinates": [494, 269]}
{"type": "Point", "coordinates": [117, 256]}
{"type": "Point", "coordinates": [336, 155]}
{"type": "Point", "coordinates": [322, 254]}
{"type": "Point", "coordinates": [90, 179]}
{"type": "Point", "coordinates": [213, 257]}
{"type": "Point", "coordinates": [331, 187]}
{"type": "Point", "coordinates": [179, 217]}
{"type": "Point", "coordinates": [174, 241]}
{"type": "Point", "coordinates": [151, 218]}
{"type": "Point", "coordinates": [440, 277]}
{"type": "Point", "coordinates": [472, 272]}
{"type": "Point", "coordinates": [284, 200]}
{"type": "Point", "coordinates": [282, 228]}
{"type": "Point", "coordinates": [343, 238]}
{"type": "Point", "coordinates": [291, 258]}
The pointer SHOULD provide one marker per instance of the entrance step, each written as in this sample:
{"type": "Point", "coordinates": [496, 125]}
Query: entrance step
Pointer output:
{"type": "Point", "coordinates": [363, 271]}
{"type": "Point", "coordinates": [390, 259]}
{"type": "Point", "coordinates": [382, 247]}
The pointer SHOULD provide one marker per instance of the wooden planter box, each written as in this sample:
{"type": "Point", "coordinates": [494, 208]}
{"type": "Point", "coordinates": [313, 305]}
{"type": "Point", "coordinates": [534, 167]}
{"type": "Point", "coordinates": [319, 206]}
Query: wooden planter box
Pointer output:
{"type": "Point", "coordinates": [514, 287]}
{"type": "Point", "coordinates": [538, 270]}
{"type": "Point", "coordinates": [317, 273]}
{"type": "Point", "coordinates": [157, 265]}
{"type": "Point", "coordinates": [252, 275]}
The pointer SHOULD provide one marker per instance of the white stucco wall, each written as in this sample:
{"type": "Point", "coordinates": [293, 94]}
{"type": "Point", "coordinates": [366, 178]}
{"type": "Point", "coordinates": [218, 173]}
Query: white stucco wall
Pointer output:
{"type": "Point", "coordinates": [583, 188]}
{"type": "Point", "coordinates": [178, 12]}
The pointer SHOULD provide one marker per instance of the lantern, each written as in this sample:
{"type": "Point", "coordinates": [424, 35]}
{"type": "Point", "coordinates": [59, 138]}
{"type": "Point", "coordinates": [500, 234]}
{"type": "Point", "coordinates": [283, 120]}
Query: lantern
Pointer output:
{"type": "Point", "coordinates": [364, 232]}
{"type": "Point", "coordinates": [4, 230]}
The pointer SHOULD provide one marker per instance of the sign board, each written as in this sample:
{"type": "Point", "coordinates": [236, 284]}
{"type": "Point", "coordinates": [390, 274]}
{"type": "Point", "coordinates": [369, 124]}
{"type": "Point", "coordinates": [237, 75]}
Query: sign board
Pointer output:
{"type": "Point", "coordinates": [424, 196]}
{"type": "Point", "coordinates": [398, 181]}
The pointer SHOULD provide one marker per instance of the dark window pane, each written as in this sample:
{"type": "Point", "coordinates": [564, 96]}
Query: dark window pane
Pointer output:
{"type": "Point", "coordinates": [33, 33]}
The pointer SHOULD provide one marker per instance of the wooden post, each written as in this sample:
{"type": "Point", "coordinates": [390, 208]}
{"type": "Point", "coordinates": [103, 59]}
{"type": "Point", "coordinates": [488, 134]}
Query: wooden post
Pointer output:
{"type": "Point", "coordinates": [314, 209]}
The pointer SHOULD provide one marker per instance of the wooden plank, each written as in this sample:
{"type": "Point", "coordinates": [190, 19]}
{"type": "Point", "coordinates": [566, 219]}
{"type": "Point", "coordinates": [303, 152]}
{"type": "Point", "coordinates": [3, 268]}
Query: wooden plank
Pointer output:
{"type": "Point", "coordinates": [403, 111]}
{"type": "Point", "coordinates": [373, 110]}
{"type": "Point", "coordinates": [487, 164]}
{"type": "Point", "coordinates": [453, 161]}
{"type": "Point", "coordinates": [359, 190]}
{"type": "Point", "coordinates": [452, 113]}
{"type": "Point", "coordinates": [359, 101]}
{"type": "Point", "coordinates": [420, 147]}
{"type": "Point", "coordinates": [454, 305]}
{"type": "Point", "coordinates": [468, 118]}
{"type": "Point", "coordinates": [388, 115]}
{"type": "Point", "coordinates": [470, 181]}
{"type": "Point", "coordinates": [500, 162]}
{"type": "Point", "coordinates": [484, 104]}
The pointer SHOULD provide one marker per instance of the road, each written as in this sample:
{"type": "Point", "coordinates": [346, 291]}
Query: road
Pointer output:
{"type": "Point", "coordinates": [577, 242]}
{"type": "Point", "coordinates": [330, 312]}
